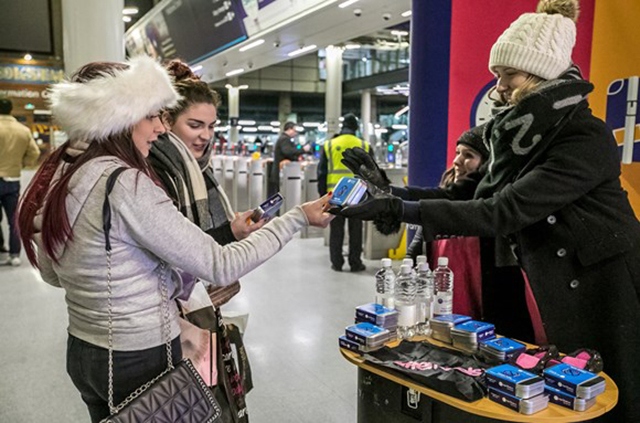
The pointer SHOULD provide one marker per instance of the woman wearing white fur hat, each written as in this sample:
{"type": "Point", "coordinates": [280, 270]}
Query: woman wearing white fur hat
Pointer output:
{"type": "Point", "coordinates": [113, 108]}
{"type": "Point", "coordinates": [552, 200]}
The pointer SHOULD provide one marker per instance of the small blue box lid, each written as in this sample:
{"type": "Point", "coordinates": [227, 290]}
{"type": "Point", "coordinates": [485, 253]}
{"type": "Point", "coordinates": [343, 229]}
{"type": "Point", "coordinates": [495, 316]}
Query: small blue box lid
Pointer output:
{"type": "Point", "coordinates": [452, 318]}
{"type": "Point", "coordinates": [474, 326]}
{"type": "Point", "coordinates": [504, 344]}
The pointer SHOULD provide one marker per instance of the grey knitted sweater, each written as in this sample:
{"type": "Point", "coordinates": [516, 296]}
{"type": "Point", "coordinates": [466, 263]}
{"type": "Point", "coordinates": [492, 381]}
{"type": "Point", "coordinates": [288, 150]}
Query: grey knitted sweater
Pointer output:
{"type": "Point", "coordinates": [146, 230]}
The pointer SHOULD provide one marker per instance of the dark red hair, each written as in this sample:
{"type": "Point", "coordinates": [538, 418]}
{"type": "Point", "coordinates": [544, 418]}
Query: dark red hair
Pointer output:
{"type": "Point", "coordinates": [46, 196]}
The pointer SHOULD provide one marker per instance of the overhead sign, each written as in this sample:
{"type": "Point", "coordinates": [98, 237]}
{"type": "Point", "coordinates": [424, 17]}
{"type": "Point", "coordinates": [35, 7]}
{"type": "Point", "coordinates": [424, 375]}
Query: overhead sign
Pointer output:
{"type": "Point", "coordinates": [196, 29]}
{"type": "Point", "coordinates": [189, 29]}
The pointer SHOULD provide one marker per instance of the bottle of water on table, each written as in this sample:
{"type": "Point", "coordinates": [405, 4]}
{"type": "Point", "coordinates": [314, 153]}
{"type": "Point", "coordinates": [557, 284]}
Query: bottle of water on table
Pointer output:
{"type": "Point", "coordinates": [442, 288]}
{"type": "Point", "coordinates": [385, 284]}
{"type": "Point", "coordinates": [424, 298]}
{"type": "Point", "coordinates": [405, 302]}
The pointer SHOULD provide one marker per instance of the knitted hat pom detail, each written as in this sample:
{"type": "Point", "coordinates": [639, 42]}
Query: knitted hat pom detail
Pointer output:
{"type": "Point", "coordinates": [539, 43]}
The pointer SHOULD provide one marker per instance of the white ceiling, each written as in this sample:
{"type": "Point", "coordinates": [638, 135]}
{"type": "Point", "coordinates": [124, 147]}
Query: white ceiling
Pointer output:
{"type": "Point", "coordinates": [325, 26]}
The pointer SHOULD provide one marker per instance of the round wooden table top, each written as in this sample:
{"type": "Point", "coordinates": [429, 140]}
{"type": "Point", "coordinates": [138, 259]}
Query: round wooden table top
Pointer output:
{"type": "Point", "coordinates": [487, 408]}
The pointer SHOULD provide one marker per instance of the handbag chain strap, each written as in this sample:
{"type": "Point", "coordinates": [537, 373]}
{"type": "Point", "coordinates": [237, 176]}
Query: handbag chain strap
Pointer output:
{"type": "Point", "coordinates": [164, 292]}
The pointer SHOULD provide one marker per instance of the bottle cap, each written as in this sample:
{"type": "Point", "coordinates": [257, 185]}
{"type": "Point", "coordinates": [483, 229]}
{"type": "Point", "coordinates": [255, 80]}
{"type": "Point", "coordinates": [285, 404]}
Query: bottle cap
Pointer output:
{"type": "Point", "coordinates": [386, 262]}
{"type": "Point", "coordinates": [408, 261]}
{"type": "Point", "coordinates": [421, 259]}
{"type": "Point", "coordinates": [423, 267]}
{"type": "Point", "coordinates": [443, 261]}
{"type": "Point", "coordinates": [405, 269]}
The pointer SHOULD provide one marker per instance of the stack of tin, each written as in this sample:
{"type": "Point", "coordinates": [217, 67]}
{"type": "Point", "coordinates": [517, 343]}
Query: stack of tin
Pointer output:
{"type": "Point", "coordinates": [572, 387]}
{"type": "Point", "coordinates": [467, 335]}
{"type": "Point", "coordinates": [378, 315]}
{"type": "Point", "coordinates": [364, 337]}
{"type": "Point", "coordinates": [500, 350]}
{"type": "Point", "coordinates": [517, 389]}
{"type": "Point", "coordinates": [441, 326]}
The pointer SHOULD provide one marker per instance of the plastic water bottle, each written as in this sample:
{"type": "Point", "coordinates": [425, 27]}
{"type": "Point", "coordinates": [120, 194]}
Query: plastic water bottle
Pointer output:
{"type": "Point", "coordinates": [420, 259]}
{"type": "Point", "coordinates": [442, 288]}
{"type": "Point", "coordinates": [424, 298]}
{"type": "Point", "coordinates": [408, 262]}
{"type": "Point", "coordinates": [385, 284]}
{"type": "Point", "coordinates": [406, 302]}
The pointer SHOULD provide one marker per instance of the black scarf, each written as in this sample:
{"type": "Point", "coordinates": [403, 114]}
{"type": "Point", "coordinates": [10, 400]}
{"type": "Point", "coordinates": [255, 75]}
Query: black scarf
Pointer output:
{"type": "Point", "coordinates": [517, 132]}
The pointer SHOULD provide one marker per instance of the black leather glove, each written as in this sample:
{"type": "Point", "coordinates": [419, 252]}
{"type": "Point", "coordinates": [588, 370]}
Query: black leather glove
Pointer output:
{"type": "Point", "coordinates": [362, 164]}
{"type": "Point", "coordinates": [381, 206]}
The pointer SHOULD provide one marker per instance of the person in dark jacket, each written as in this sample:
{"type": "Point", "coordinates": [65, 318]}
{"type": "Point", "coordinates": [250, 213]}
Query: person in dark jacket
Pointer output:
{"type": "Point", "coordinates": [285, 149]}
{"type": "Point", "coordinates": [552, 199]}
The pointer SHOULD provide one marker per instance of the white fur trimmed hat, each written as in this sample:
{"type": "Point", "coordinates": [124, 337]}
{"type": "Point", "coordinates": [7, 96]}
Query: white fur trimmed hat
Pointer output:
{"type": "Point", "coordinates": [536, 43]}
{"type": "Point", "coordinates": [110, 104]}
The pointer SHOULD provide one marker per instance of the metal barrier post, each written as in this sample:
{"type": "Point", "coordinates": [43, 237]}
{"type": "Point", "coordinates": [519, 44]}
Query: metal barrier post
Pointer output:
{"type": "Point", "coordinates": [241, 184]}
{"type": "Point", "coordinates": [256, 183]}
{"type": "Point", "coordinates": [291, 185]}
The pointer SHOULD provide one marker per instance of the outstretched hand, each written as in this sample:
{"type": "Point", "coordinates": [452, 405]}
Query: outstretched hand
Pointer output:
{"type": "Point", "coordinates": [316, 211]}
{"type": "Point", "coordinates": [242, 225]}
{"type": "Point", "coordinates": [362, 164]}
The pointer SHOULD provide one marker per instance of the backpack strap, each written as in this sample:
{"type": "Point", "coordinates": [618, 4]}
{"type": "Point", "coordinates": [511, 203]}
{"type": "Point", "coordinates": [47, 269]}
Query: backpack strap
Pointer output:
{"type": "Point", "coordinates": [106, 206]}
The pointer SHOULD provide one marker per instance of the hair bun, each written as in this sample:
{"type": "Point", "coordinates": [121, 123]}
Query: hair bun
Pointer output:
{"type": "Point", "coordinates": [180, 70]}
{"type": "Point", "coordinates": [567, 8]}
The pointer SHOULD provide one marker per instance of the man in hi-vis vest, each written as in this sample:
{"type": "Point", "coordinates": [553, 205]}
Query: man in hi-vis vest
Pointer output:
{"type": "Point", "coordinates": [330, 170]}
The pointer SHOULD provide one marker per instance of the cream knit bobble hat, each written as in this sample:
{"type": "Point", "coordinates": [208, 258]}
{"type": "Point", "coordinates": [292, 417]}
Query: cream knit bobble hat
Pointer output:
{"type": "Point", "coordinates": [537, 43]}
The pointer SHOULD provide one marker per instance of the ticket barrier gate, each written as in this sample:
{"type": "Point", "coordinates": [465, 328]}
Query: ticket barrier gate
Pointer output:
{"type": "Point", "coordinates": [267, 164]}
{"type": "Point", "coordinates": [291, 185]}
{"type": "Point", "coordinates": [227, 177]}
{"type": "Point", "coordinates": [218, 172]}
{"type": "Point", "coordinates": [310, 193]}
{"type": "Point", "coordinates": [257, 185]}
{"type": "Point", "coordinates": [240, 186]}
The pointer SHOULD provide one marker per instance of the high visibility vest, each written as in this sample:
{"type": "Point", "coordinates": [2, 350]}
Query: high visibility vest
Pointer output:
{"type": "Point", "coordinates": [333, 149]}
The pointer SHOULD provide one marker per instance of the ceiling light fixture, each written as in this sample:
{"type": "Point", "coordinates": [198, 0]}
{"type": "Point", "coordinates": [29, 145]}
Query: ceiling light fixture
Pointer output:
{"type": "Point", "coordinates": [346, 3]}
{"type": "Point", "coordinates": [399, 33]}
{"type": "Point", "coordinates": [406, 14]}
{"type": "Point", "coordinates": [126, 18]}
{"type": "Point", "coordinates": [196, 68]}
{"type": "Point", "coordinates": [28, 57]}
{"type": "Point", "coordinates": [352, 46]}
{"type": "Point", "coordinates": [130, 11]}
{"type": "Point", "coordinates": [252, 45]}
{"type": "Point", "coordinates": [235, 72]}
{"type": "Point", "coordinates": [247, 122]}
{"type": "Point", "coordinates": [302, 50]}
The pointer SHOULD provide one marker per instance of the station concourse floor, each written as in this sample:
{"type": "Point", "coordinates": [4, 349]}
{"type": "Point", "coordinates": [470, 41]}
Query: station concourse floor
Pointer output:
{"type": "Point", "coordinates": [297, 309]}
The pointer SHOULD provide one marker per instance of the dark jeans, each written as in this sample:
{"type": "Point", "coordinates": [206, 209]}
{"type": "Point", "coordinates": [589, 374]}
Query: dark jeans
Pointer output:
{"type": "Point", "coordinates": [336, 239]}
{"type": "Point", "coordinates": [88, 366]}
{"type": "Point", "coordinates": [9, 193]}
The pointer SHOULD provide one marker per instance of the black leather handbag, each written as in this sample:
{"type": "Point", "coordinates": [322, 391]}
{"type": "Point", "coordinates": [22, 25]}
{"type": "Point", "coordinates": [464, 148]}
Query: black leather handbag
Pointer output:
{"type": "Point", "coordinates": [178, 394]}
